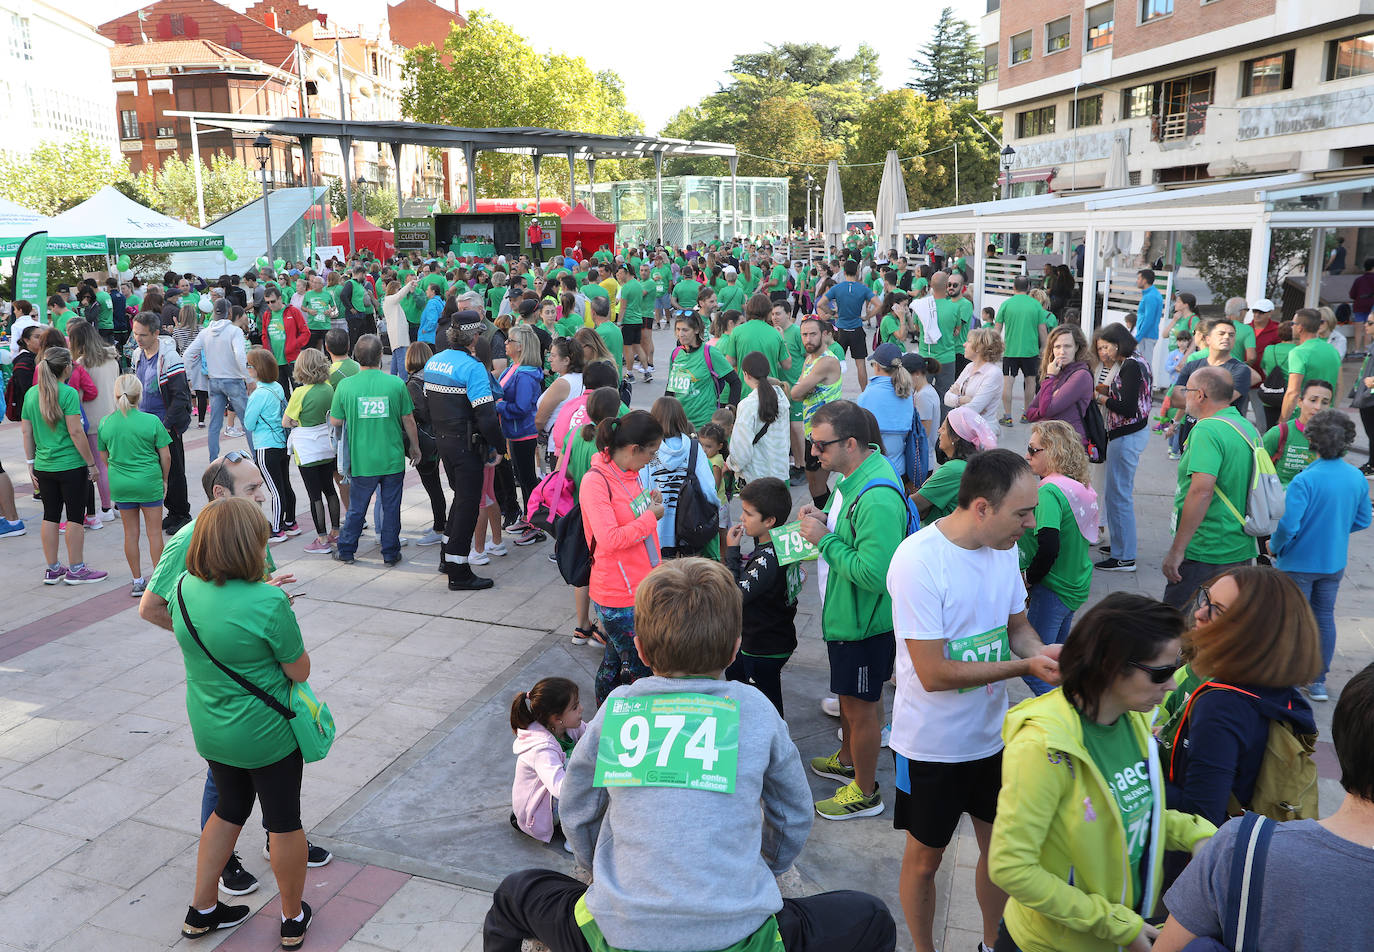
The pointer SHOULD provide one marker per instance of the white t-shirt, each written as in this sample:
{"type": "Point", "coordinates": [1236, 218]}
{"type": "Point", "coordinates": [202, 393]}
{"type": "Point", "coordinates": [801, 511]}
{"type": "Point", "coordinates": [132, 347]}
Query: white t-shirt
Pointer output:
{"type": "Point", "coordinates": [822, 569]}
{"type": "Point", "coordinates": [941, 592]}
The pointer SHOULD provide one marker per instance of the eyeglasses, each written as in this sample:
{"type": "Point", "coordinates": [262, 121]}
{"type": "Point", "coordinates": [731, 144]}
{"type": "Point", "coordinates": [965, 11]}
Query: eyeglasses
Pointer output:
{"type": "Point", "coordinates": [1158, 673]}
{"type": "Point", "coordinates": [1032, 450]}
{"type": "Point", "coordinates": [1205, 603]}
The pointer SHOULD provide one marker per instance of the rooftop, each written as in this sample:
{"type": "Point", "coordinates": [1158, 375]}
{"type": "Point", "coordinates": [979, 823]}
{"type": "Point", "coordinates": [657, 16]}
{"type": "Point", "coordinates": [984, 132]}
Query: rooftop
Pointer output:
{"type": "Point", "coordinates": [177, 53]}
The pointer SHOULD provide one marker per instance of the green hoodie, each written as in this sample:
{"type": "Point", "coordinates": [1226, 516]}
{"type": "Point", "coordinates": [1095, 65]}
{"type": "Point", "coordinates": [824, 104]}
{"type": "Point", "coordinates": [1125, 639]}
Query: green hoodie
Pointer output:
{"type": "Point", "coordinates": [857, 604]}
{"type": "Point", "coordinates": [1058, 821]}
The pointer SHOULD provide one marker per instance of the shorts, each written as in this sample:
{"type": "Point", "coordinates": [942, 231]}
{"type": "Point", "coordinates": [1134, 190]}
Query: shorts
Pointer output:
{"type": "Point", "coordinates": [859, 669]}
{"type": "Point", "coordinates": [663, 302]}
{"type": "Point", "coordinates": [488, 486]}
{"type": "Point", "coordinates": [854, 342]}
{"type": "Point", "coordinates": [630, 333]}
{"type": "Point", "coordinates": [65, 490]}
{"type": "Point", "coordinates": [1357, 318]}
{"type": "Point", "coordinates": [776, 296]}
{"type": "Point", "coordinates": [1027, 366]}
{"type": "Point", "coordinates": [813, 462]}
{"type": "Point", "coordinates": [277, 788]}
{"type": "Point", "coordinates": [931, 797]}
{"type": "Point", "coordinates": [122, 506]}
{"type": "Point", "coordinates": [794, 411]}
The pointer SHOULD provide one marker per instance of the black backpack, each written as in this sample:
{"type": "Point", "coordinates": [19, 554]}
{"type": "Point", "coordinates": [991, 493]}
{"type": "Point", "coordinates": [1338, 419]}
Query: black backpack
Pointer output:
{"type": "Point", "coordinates": [120, 304]}
{"type": "Point", "coordinates": [1273, 387]}
{"type": "Point", "coordinates": [571, 549]}
{"type": "Point", "coordinates": [1095, 433]}
{"type": "Point", "coordinates": [696, 519]}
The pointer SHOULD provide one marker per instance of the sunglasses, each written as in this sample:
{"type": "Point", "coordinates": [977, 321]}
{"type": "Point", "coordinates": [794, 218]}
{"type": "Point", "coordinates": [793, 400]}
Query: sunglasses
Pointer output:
{"type": "Point", "coordinates": [821, 446]}
{"type": "Point", "coordinates": [236, 456]}
{"type": "Point", "coordinates": [1032, 450]}
{"type": "Point", "coordinates": [1158, 673]}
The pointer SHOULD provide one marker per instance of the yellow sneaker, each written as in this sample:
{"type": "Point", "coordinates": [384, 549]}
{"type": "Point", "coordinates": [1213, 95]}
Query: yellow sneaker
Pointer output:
{"type": "Point", "coordinates": [849, 803]}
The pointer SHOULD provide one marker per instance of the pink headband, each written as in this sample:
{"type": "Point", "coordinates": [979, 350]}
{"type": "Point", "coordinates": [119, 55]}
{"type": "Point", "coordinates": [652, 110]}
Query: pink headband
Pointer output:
{"type": "Point", "coordinates": [971, 426]}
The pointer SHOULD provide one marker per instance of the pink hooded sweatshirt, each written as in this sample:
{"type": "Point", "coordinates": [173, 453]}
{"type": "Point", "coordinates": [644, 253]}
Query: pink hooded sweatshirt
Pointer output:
{"type": "Point", "coordinates": [539, 768]}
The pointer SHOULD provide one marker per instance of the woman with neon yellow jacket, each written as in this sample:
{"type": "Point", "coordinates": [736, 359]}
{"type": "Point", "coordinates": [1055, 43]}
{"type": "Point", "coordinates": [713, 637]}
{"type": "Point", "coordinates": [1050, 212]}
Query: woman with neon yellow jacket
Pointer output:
{"type": "Point", "coordinates": [1081, 829]}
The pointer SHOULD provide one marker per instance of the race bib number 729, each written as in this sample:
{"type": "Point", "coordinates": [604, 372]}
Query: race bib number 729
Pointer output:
{"type": "Point", "coordinates": [689, 741]}
{"type": "Point", "coordinates": [371, 408]}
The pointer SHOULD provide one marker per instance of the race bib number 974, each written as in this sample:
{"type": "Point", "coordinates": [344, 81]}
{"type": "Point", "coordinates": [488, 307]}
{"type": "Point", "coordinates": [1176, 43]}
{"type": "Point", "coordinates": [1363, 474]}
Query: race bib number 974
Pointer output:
{"type": "Point", "coordinates": [372, 408]}
{"type": "Point", "coordinates": [690, 741]}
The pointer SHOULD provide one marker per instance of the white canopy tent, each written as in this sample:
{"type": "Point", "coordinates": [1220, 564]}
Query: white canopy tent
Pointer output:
{"type": "Point", "coordinates": [129, 227]}
{"type": "Point", "coordinates": [18, 222]}
{"type": "Point", "coordinates": [1259, 205]}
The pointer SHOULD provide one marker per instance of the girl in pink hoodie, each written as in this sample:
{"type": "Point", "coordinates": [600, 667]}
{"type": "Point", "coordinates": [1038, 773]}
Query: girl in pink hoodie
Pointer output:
{"type": "Point", "coordinates": [547, 721]}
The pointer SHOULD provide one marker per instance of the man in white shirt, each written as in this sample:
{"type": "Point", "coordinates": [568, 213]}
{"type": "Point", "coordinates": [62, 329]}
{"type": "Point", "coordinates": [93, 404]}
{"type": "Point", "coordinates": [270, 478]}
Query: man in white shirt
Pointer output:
{"type": "Point", "coordinates": [959, 613]}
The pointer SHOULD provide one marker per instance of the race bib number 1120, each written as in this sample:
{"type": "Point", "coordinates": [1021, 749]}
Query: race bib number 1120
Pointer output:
{"type": "Point", "coordinates": [689, 741]}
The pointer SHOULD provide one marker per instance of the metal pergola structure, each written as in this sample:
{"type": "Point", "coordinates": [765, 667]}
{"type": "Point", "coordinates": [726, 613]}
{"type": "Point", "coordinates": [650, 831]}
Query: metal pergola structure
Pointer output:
{"type": "Point", "coordinates": [1259, 205]}
{"type": "Point", "coordinates": [533, 142]}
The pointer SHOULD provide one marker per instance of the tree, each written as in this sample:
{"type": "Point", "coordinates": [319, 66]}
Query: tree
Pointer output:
{"type": "Point", "coordinates": [226, 184]}
{"type": "Point", "coordinates": [59, 175]}
{"type": "Point", "coordinates": [788, 133]}
{"type": "Point", "coordinates": [376, 205]}
{"type": "Point", "coordinates": [949, 67]}
{"type": "Point", "coordinates": [1223, 259]}
{"type": "Point", "coordinates": [495, 79]}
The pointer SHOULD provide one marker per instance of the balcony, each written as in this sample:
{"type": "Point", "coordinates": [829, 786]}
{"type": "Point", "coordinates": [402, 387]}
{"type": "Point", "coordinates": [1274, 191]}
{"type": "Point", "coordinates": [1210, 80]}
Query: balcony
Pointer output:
{"type": "Point", "coordinates": [1173, 126]}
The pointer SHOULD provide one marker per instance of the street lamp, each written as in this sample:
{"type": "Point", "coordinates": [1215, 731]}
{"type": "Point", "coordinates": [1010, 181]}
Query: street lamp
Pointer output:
{"type": "Point", "coordinates": [1008, 160]}
{"type": "Point", "coordinates": [810, 180]}
{"type": "Point", "coordinates": [262, 148]}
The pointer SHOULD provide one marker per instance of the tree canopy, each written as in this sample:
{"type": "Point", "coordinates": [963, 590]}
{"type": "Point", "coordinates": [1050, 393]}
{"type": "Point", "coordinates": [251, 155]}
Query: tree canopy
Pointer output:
{"type": "Point", "coordinates": [59, 175]}
{"type": "Point", "coordinates": [950, 66]}
{"type": "Point", "coordinates": [227, 185]}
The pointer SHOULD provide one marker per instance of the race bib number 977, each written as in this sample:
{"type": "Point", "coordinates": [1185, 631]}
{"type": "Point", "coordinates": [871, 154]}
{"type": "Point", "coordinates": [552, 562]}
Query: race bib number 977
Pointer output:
{"type": "Point", "coordinates": [690, 741]}
{"type": "Point", "coordinates": [372, 408]}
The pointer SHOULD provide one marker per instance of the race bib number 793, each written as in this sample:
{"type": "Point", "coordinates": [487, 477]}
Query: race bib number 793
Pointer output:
{"type": "Point", "coordinates": [690, 741]}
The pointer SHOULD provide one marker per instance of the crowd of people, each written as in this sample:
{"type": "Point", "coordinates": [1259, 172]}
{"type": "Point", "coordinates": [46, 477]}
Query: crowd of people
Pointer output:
{"type": "Point", "coordinates": [946, 565]}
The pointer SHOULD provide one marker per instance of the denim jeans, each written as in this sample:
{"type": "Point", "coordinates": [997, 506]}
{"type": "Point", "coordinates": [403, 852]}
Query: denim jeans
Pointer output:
{"type": "Point", "coordinates": [1051, 619]}
{"type": "Point", "coordinates": [398, 360]}
{"type": "Point", "coordinates": [233, 392]}
{"type": "Point", "coordinates": [1123, 457]}
{"type": "Point", "coordinates": [360, 490]}
{"type": "Point", "coordinates": [1320, 591]}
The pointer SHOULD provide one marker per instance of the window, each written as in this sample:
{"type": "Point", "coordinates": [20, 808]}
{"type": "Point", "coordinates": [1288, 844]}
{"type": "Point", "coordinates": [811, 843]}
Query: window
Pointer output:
{"type": "Point", "coordinates": [1087, 112]}
{"type": "Point", "coordinates": [1057, 35]}
{"type": "Point", "coordinates": [1350, 57]}
{"type": "Point", "coordinates": [1101, 18]}
{"type": "Point", "coordinates": [21, 45]}
{"type": "Point", "coordinates": [1035, 122]}
{"type": "Point", "coordinates": [1267, 74]}
{"type": "Point", "coordinates": [178, 24]}
{"type": "Point", "coordinates": [1137, 101]}
{"type": "Point", "coordinates": [993, 6]}
{"type": "Point", "coordinates": [1154, 9]}
{"type": "Point", "coordinates": [128, 124]}
{"type": "Point", "coordinates": [990, 63]}
{"type": "Point", "coordinates": [1021, 47]}
{"type": "Point", "coordinates": [166, 132]}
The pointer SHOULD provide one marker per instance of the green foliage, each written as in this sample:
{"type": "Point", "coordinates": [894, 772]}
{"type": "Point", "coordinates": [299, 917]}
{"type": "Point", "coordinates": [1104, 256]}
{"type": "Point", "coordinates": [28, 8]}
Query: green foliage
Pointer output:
{"type": "Point", "coordinates": [950, 66]}
{"type": "Point", "coordinates": [226, 184]}
{"type": "Point", "coordinates": [376, 205]}
{"type": "Point", "coordinates": [1223, 259]}
{"type": "Point", "coordinates": [494, 78]}
{"type": "Point", "coordinates": [59, 175]}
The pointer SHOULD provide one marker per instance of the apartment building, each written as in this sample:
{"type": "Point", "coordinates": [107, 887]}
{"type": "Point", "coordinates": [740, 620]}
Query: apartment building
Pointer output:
{"type": "Point", "coordinates": [1183, 90]}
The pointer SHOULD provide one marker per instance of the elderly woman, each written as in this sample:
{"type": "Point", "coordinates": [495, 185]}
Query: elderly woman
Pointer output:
{"type": "Point", "coordinates": [1325, 503]}
{"type": "Point", "coordinates": [1066, 383]}
{"type": "Point", "coordinates": [1125, 394]}
{"type": "Point", "coordinates": [962, 434]}
{"type": "Point", "coordinates": [980, 384]}
{"type": "Point", "coordinates": [227, 618]}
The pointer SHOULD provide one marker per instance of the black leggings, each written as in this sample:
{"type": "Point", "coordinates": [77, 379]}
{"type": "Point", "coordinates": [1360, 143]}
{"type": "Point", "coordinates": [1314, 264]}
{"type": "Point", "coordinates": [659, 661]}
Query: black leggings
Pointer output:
{"type": "Point", "coordinates": [319, 489]}
{"type": "Point", "coordinates": [63, 490]}
{"type": "Point", "coordinates": [763, 673]}
{"type": "Point", "coordinates": [202, 404]}
{"type": "Point", "coordinates": [276, 786]}
{"type": "Point", "coordinates": [522, 457]}
{"type": "Point", "coordinates": [1367, 418]}
{"type": "Point", "coordinates": [276, 478]}
{"type": "Point", "coordinates": [429, 478]}
{"type": "Point", "coordinates": [503, 484]}
{"type": "Point", "coordinates": [317, 340]}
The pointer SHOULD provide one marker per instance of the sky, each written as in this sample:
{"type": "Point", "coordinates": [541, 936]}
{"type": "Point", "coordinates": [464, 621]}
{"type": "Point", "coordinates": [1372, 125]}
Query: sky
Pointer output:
{"type": "Point", "coordinates": [689, 59]}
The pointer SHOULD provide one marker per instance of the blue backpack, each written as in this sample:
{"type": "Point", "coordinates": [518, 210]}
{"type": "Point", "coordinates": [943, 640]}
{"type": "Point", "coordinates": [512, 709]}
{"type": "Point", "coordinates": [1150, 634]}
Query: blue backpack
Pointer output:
{"type": "Point", "coordinates": [917, 450]}
{"type": "Point", "coordinates": [913, 519]}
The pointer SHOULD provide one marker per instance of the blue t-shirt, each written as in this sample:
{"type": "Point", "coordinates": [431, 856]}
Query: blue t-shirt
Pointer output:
{"type": "Point", "coordinates": [146, 371]}
{"type": "Point", "coordinates": [849, 298]}
{"type": "Point", "coordinates": [1148, 313]}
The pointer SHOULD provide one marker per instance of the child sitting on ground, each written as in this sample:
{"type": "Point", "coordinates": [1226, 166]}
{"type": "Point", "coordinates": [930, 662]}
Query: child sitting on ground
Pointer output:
{"type": "Point", "coordinates": [769, 589]}
{"type": "Point", "coordinates": [547, 721]}
{"type": "Point", "coordinates": [686, 798]}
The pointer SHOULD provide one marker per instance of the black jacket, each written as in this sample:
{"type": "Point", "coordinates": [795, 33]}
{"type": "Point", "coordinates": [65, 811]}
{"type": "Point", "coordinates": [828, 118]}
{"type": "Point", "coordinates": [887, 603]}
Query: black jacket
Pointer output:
{"type": "Point", "coordinates": [770, 600]}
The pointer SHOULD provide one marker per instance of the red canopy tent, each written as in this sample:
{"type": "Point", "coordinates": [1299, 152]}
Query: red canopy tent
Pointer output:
{"type": "Point", "coordinates": [373, 238]}
{"type": "Point", "coordinates": [581, 225]}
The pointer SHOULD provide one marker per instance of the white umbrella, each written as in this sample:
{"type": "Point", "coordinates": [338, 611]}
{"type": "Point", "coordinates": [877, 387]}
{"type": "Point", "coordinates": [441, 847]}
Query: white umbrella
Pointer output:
{"type": "Point", "coordinates": [833, 210]}
{"type": "Point", "coordinates": [891, 201]}
{"type": "Point", "coordinates": [1118, 176]}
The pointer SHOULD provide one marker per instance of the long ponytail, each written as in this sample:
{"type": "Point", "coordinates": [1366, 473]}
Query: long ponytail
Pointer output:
{"type": "Point", "coordinates": [901, 381]}
{"type": "Point", "coordinates": [56, 363]}
{"type": "Point", "coordinates": [755, 364]}
{"type": "Point", "coordinates": [128, 391]}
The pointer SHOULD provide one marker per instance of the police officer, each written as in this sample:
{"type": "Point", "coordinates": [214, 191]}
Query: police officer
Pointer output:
{"type": "Point", "coordinates": [463, 411]}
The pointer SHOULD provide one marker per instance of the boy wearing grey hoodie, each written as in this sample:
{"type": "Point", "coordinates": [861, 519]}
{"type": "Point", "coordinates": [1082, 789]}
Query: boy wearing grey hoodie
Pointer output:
{"type": "Point", "coordinates": [686, 798]}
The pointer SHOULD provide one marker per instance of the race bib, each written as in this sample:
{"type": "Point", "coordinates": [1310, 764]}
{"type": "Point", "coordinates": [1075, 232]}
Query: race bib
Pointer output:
{"type": "Point", "coordinates": [640, 504]}
{"type": "Point", "coordinates": [989, 646]}
{"type": "Point", "coordinates": [689, 741]}
{"type": "Point", "coordinates": [790, 546]}
{"type": "Point", "coordinates": [373, 408]}
{"type": "Point", "coordinates": [679, 380]}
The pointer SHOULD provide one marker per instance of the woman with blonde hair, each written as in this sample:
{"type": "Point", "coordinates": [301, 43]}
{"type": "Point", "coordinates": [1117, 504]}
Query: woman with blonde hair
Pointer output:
{"type": "Point", "coordinates": [1066, 382]}
{"type": "Point", "coordinates": [980, 384]}
{"type": "Point", "coordinates": [593, 347]}
{"type": "Point", "coordinates": [309, 440]}
{"type": "Point", "coordinates": [134, 447]}
{"type": "Point", "coordinates": [888, 398]}
{"type": "Point", "coordinates": [60, 463]}
{"type": "Point", "coordinates": [1057, 556]}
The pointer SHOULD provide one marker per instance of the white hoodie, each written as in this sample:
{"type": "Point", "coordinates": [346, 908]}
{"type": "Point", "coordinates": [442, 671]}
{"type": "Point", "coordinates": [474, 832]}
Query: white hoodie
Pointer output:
{"type": "Point", "coordinates": [225, 350]}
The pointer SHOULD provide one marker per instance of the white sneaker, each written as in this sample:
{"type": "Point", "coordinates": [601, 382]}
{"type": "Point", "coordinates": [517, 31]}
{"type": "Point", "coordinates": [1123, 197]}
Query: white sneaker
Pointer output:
{"type": "Point", "coordinates": [886, 736]}
{"type": "Point", "coordinates": [233, 432]}
{"type": "Point", "coordinates": [830, 705]}
{"type": "Point", "coordinates": [430, 538]}
{"type": "Point", "coordinates": [497, 549]}
{"type": "Point", "coordinates": [638, 365]}
{"type": "Point", "coordinates": [478, 558]}
{"type": "Point", "coordinates": [404, 540]}
{"type": "Point", "coordinates": [107, 515]}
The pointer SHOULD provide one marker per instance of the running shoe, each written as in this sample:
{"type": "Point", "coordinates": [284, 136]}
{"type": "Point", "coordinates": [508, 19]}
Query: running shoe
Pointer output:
{"type": "Point", "coordinates": [200, 924]}
{"type": "Point", "coordinates": [830, 705]}
{"type": "Point", "coordinates": [498, 548]}
{"type": "Point", "coordinates": [235, 880]}
{"type": "Point", "coordinates": [276, 537]}
{"type": "Point", "coordinates": [478, 558]}
{"type": "Point", "coordinates": [1115, 565]}
{"type": "Point", "coordinates": [430, 538]}
{"type": "Point", "coordinates": [53, 576]}
{"type": "Point", "coordinates": [293, 930]}
{"type": "Point", "coordinates": [200, 424]}
{"type": "Point", "coordinates": [316, 547]}
{"type": "Point", "coordinates": [315, 856]}
{"type": "Point", "coordinates": [832, 768]}
{"type": "Point", "coordinates": [12, 529]}
{"type": "Point", "coordinates": [1006, 421]}
{"type": "Point", "coordinates": [92, 522]}
{"type": "Point", "coordinates": [530, 536]}
{"type": "Point", "coordinates": [107, 515]}
{"type": "Point", "coordinates": [83, 575]}
{"type": "Point", "coordinates": [137, 587]}
{"type": "Point", "coordinates": [638, 366]}
{"type": "Point", "coordinates": [1317, 691]}
{"type": "Point", "coordinates": [849, 803]}
{"type": "Point", "coordinates": [292, 529]}
{"type": "Point", "coordinates": [233, 431]}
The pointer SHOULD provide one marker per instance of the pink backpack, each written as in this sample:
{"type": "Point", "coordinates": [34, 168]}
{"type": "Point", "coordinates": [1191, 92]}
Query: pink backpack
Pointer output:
{"type": "Point", "coordinates": [552, 497]}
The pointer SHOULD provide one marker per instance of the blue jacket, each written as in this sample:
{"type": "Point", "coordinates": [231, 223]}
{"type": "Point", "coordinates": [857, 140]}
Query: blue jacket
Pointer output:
{"type": "Point", "coordinates": [894, 416]}
{"type": "Point", "coordinates": [1325, 503]}
{"type": "Point", "coordinates": [516, 409]}
{"type": "Point", "coordinates": [262, 416]}
{"type": "Point", "coordinates": [429, 319]}
{"type": "Point", "coordinates": [1148, 313]}
{"type": "Point", "coordinates": [667, 472]}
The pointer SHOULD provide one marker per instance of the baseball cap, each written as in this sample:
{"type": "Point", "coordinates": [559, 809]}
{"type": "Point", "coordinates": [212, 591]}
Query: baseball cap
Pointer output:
{"type": "Point", "coordinates": [1263, 304]}
{"type": "Point", "coordinates": [886, 354]}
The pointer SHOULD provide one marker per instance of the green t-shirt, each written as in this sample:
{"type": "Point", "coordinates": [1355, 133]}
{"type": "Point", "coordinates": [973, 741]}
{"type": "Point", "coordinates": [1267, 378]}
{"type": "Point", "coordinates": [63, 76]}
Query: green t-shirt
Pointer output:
{"type": "Point", "coordinates": [778, 279]}
{"type": "Point", "coordinates": [1116, 754]}
{"type": "Point", "coordinates": [1317, 359]}
{"type": "Point", "coordinates": [568, 326]}
{"type": "Point", "coordinates": [134, 301]}
{"type": "Point", "coordinates": [761, 336]}
{"type": "Point", "coordinates": [250, 628]}
{"type": "Point", "coordinates": [54, 450]}
{"type": "Point", "coordinates": [494, 296]}
{"type": "Point", "coordinates": [590, 291]}
{"type": "Point", "coordinates": [1021, 316]}
{"type": "Point", "coordinates": [1245, 337]}
{"type": "Point", "coordinates": [1215, 448]}
{"type": "Point", "coordinates": [163, 581]}
{"type": "Point", "coordinates": [887, 331]}
{"type": "Point", "coordinates": [750, 281]}
{"type": "Point", "coordinates": [685, 294]}
{"type": "Point", "coordinates": [941, 489]}
{"type": "Point", "coordinates": [689, 379]}
{"type": "Point", "coordinates": [133, 440]}
{"type": "Point", "coordinates": [342, 369]}
{"type": "Point", "coordinates": [1072, 572]}
{"type": "Point", "coordinates": [372, 404]}
{"type": "Point", "coordinates": [731, 297]}
{"type": "Point", "coordinates": [639, 301]}
{"type": "Point", "coordinates": [275, 331]}
{"type": "Point", "coordinates": [1275, 355]}
{"type": "Point", "coordinates": [105, 321]}
{"type": "Point", "coordinates": [60, 318]}
{"type": "Point", "coordinates": [663, 276]}
{"type": "Point", "coordinates": [316, 305]}
{"type": "Point", "coordinates": [610, 335]}
{"type": "Point", "coordinates": [947, 318]}
{"type": "Point", "coordinates": [435, 279]}
{"type": "Point", "coordinates": [1296, 455]}
{"type": "Point", "coordinates": [413, 305]}
{"type": "Point", "coordinates": [965, 324]}
{"type": "Point", "coordinates": [309, 406]}
{"type": "Point", "coordinates": [792, 340]}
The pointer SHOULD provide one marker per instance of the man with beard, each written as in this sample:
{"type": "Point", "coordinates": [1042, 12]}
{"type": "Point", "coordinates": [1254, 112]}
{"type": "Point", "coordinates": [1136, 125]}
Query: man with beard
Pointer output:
{"type": "Point", "coordinates": [819, 385]}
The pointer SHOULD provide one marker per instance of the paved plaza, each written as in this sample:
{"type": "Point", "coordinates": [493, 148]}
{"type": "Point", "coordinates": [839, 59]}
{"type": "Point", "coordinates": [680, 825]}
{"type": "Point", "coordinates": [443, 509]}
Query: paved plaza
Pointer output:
{"type": "Point", "coordinates": [100, 784]}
